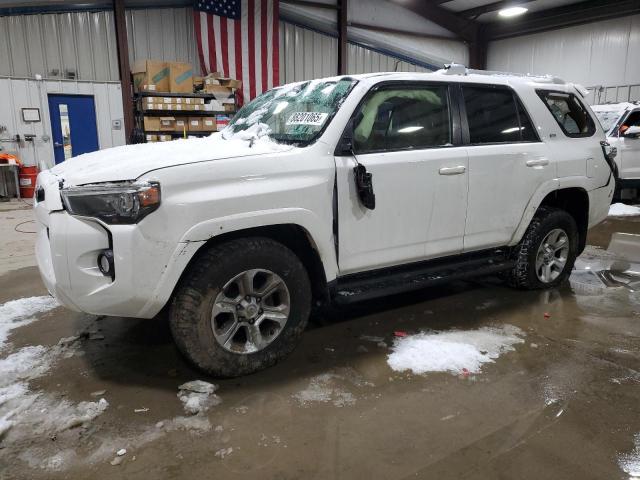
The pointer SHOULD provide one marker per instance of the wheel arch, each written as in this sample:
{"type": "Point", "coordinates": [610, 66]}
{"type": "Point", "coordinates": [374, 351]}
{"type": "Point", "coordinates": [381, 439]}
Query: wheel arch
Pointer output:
{"type": "Point", "coordinates": [574, 201]}
{"type": "Point", "coordinates": [293, 236]}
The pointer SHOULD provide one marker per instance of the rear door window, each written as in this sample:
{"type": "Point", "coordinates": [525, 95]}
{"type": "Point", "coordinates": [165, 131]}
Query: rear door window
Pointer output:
{"type": "Point", "coordinates": [496, 115]}
{"type": "Point", "coordinates": [403, 118]}
{"type": "Point", "coordinates": [569, 112]}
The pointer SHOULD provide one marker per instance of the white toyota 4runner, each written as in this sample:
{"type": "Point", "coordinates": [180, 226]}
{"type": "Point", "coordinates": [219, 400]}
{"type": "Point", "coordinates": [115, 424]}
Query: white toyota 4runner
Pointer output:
{"type": "Point", "coordinates": [332, 190]}
{"type": "Point", "coordinates": [621, 122]}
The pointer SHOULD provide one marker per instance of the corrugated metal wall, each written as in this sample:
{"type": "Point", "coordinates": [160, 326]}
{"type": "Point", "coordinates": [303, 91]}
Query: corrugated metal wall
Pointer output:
{"type": "Point", "coordinates": [84, 43]}
{"type": "Point", "coordinates": [162, 33]}
{"type": "Point", "coordinates": [306, 54]}
{"type": "Point", "coordinates": [22, 93]}
{"type": "Point", "coordinates": [80, 43]}
{"type": "Point", "coordinates": [603, 53]}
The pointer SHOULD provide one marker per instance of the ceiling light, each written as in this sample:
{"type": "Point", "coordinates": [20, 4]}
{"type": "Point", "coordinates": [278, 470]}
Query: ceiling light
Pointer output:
{"type": "Point", "coordinates": [512, 11]}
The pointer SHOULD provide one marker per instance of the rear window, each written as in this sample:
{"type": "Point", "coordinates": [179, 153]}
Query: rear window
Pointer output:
{"type": "Point", "coordinates": [496, 115]}
{"type": "Point", "coordinates": [569, 112]}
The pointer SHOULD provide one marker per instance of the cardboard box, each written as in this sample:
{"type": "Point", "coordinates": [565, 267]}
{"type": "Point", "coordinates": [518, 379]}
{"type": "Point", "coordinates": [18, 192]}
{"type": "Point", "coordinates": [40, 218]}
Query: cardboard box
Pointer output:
{"type": "Point", "coordinates": [209, 124]}
{"type": "Point", "coordinates": [151, 138]}
{"type": "Point", "coordinates": [230, 82]}
{"type": "Point", "coordinates": [167, 124]}
{"type": "Point", "coordinates": [213, 106]}
{"type": "Point", "coordinates": [180, 77]}
{"type": "Point", "coordinates": [219, 92]}
{"type": "Point", "coordinates": [150, 76]}
{"type": "Point", "coordinates": [197, 108]}
{"type": "Point", "coordinates": [229, 108]}
{"type": "Point", "coordinates": [165, 138]}
{"type": "Point", "coordinates": [182, 124]}
{"type": "Point", "coordinates": [195, 124]}
{"type": "Point", "coordinates": [151, 124]}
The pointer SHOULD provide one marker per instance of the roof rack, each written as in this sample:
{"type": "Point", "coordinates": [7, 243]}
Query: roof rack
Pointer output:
{"type": "Point", "coordinates": [458, 69]}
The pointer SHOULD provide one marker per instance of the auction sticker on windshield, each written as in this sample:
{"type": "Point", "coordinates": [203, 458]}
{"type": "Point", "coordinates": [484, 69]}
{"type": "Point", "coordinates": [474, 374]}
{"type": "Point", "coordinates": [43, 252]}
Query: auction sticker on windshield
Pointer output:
{"type": "Point", "coordinates": [307, 118]}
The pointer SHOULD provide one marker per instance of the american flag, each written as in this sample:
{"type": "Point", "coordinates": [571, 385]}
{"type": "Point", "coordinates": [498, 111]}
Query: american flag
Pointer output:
{"type": "Point", "coordinates": [240, 39]}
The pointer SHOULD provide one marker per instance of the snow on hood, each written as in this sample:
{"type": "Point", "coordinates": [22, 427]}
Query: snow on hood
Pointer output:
{"type": "Point", "coordinates": [128, 162]}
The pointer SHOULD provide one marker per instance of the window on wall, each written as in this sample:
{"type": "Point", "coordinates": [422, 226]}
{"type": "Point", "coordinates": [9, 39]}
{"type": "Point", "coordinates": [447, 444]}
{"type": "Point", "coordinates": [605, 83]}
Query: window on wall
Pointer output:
{"type": "Point", "coordinates": [495, 115]}
{"type": "Point", "coordinates": [401, 118]}
{"type": "Point", "coordinates": [569, 112]}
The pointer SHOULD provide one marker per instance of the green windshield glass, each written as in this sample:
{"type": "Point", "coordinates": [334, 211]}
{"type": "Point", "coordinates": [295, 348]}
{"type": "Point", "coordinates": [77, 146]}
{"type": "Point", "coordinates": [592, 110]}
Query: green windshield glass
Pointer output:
{"type": "Point", "coordinates": [295, 113]}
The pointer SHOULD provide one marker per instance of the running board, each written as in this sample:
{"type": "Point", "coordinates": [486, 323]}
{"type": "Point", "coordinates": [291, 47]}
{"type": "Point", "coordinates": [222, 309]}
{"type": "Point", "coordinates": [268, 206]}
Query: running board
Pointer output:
{"type": "Point", "coordinates": [389, 281]}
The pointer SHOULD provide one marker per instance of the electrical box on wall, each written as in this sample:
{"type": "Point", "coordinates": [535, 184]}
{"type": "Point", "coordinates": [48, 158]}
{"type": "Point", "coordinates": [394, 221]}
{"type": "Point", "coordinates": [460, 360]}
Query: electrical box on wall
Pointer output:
{"type": "Point", "coordinates": [116, 124]}
{"type": "Point", "coordinates": [31, 115]}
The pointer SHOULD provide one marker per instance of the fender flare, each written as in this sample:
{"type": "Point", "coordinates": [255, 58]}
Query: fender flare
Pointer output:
{"type": "Point", "coordinates": [320, 236]}
{"type": "Point", "coordinates": [532, 207]}
{"type": "Point", "coordinates": [197, 236]}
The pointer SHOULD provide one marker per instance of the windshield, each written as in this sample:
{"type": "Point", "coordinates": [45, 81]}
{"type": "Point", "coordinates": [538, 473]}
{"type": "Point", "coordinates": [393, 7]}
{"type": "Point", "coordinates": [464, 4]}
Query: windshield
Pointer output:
{"type": "Point", "coordinates": [295, 113]}
{"type": "Point", "coordinates": [608, 118]}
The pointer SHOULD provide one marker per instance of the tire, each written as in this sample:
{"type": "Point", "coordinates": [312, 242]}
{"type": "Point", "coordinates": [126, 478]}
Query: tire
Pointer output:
{"type": "Point", "coordinates": [525, 275]}
{"type": "Point", "coordinates": [205, 286]}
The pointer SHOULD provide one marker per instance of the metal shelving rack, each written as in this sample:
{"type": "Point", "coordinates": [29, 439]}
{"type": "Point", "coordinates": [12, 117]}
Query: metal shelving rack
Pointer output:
{"type": "Point", "coordinates": [139, 133]}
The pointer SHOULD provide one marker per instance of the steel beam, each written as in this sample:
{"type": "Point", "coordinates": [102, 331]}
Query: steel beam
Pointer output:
{"type": "Point", "coordinates": [342, 37]}
{"type": "Point", "coordinates": [309, 3]}
{"type": "Point", "coordinates": [123, 66]}
{"type": "Point", "coordinates": [462, 27]}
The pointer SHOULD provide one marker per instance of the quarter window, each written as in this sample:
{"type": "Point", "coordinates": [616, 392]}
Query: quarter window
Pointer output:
{"type": "Point", "coordinates": [569, 112]}
{"type": "Point", "coordinates": [396, 118]}
{"type": "Point", "coordinates": [495, 115]}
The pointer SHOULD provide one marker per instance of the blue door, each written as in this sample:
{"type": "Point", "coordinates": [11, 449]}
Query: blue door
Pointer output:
{"type": "Point", "coordinates": [73, 125]}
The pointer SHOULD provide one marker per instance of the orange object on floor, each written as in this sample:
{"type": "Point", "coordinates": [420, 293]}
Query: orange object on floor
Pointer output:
{"type": "Point", "coordinates": [27, 178]}
{"type": "Point", "coordinates": [6, 157]}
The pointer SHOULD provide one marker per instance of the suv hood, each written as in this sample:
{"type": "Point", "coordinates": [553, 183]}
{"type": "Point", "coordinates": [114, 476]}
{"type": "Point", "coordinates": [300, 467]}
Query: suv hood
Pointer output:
{"type": "Point", "coordinates": [129, 162]}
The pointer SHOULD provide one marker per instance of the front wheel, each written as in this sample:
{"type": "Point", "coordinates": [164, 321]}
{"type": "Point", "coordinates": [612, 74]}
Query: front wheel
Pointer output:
{"type": "Point", "coordinates": [547, 252]}
{"type": "Point", "coordinates": [241, 307]}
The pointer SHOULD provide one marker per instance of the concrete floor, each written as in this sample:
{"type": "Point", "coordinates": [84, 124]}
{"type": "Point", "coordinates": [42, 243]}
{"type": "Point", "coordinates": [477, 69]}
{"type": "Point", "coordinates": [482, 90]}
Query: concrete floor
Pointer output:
{"type": "Point", "coordinates": [565, 404]}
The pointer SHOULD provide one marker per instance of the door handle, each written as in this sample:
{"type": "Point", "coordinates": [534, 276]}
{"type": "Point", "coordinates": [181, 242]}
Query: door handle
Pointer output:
{"type": "Point", "coordinates": [452, 170]}
{"type": "Point", "coordinates": [56, 144]}
{"type": "Point", "coordinates": [540, 162]}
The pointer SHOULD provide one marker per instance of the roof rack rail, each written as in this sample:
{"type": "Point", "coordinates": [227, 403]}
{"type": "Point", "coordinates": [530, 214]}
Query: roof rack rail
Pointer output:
{"type": "Point", "coordinates": [458, 69]}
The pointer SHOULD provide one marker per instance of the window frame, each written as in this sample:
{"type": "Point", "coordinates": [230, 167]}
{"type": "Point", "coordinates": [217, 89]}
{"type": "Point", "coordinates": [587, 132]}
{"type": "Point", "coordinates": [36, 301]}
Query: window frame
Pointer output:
{"type": "Point", "coordinates": [466, 132]}
{"type": "Point", "coordinates": [542, 92]}
{"type": "Point", "coordinates": [454, 113]}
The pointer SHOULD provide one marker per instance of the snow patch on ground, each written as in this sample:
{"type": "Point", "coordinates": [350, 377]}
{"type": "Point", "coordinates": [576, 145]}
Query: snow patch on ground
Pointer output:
{"type": "Point", "coordinates": [331, 388]}
{"type": "Point", "coordinates": [18, 313]}
{"type": "Point", "coordinates": [453, 351]}
{"type": "Point", "coordinates": [630, 462]}
{"type": "Point", "coordinates": [25, 414]}
{"type": "Point", "coordinates": [323, 389]}
{"type": "Point", "coordinates": [198, 396]}
{"type": "Point", "coordinates": [622, 210]}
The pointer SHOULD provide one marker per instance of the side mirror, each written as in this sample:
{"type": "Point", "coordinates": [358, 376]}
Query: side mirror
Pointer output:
{"type": "Point", "coordinates": [345, 145]}
{"type": "Point", "coordinates": [632, 132]}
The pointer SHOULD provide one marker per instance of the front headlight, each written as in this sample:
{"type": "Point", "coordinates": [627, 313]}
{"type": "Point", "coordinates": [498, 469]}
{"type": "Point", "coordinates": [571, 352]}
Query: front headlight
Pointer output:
{"type": "Point", "coordinates": [113, 203]}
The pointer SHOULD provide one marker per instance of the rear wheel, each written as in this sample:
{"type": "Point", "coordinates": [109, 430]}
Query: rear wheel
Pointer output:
{"type": "Point", "coordinates": [241, 307]}
{"type": "Point", "coordinates": [547, 252]}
